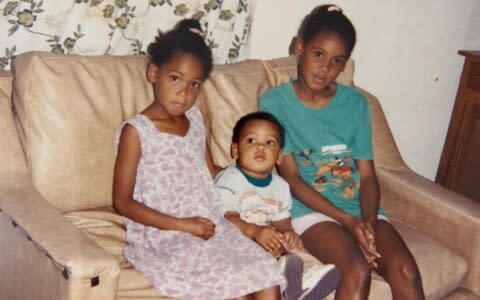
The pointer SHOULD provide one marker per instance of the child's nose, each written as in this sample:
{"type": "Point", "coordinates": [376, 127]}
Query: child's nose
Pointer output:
{"type": "Point", "coordinates": [325, 65]}
{"type": "Point", "coordinates": [183, 89]}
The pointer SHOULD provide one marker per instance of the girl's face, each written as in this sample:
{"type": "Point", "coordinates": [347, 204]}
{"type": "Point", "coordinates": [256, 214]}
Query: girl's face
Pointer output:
{"type": "Point", "coordinates": [176, 83]}
{"type": "Point", "coordinates": [320, 61]}
{"type": "Point", "coordinates": [258, 148]}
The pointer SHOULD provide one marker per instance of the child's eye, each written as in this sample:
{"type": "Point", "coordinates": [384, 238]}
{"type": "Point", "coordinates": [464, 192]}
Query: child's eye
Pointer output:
{"type": "Point", "coordinates": [196, 84]}
{"type": "Point", "coordinates": [174, 78]}
{"type": "Point", "coordinates": [339, 60]}
{"type": "Point", "coordinates": [271, 143]}
{"type": "Point", "coordinates": [250, 141]}
{"type": "Point", "coordinates": [318, 53]}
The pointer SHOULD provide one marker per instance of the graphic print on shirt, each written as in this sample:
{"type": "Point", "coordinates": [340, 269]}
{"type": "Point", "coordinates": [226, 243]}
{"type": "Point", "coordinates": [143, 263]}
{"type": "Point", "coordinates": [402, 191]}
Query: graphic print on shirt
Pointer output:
{"type": "Point", "coordinates": [258, 210]}
{"type": "Point", "coordinates": [332, 170]}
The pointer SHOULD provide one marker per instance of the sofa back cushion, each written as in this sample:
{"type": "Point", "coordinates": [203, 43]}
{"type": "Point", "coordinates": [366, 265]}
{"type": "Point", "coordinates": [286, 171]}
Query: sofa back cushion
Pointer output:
{"type": "Point", "coordinates": [6, 84]}
{"type": "Point", "coordinates": [68, 108]}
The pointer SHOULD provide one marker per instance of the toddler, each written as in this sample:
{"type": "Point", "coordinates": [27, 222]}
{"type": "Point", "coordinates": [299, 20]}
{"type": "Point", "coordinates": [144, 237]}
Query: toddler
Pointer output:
{"type": "Point", "coordinates": [258, 202]}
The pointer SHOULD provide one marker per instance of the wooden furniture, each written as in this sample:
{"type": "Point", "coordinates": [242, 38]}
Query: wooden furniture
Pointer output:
{"type": "Point", "coordinates": [459, 168]}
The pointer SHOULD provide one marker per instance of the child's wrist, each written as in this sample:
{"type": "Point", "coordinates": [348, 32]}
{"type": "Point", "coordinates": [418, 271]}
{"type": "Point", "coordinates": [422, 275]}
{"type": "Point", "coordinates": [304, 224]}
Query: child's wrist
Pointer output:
{"type": "Point", "coordinates": [179, 224]}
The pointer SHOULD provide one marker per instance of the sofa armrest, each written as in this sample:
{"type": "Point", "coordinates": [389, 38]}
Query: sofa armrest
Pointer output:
{"type": "Point", "coordinates": [87, 271]}
{"type": "Point", "coordinates": [448, 217]}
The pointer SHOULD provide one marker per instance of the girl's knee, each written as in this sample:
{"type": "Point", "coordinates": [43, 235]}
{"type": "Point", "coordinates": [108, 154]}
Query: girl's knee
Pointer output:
{"type": "Point", "coordinates": [406, 273]}
{"type": "Point", "coordinates": [411, 274]}
{"type": "Point", "coordinates": [357, 271]}
{"type": "Point", "coordinates": [406, 282]}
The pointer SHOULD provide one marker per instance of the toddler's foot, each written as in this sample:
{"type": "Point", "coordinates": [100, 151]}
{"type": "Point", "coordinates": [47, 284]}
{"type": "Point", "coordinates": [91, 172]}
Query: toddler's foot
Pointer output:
{"type": "Point", "coordinates": [292, 267]}
{"type": "Point", "coordinates": [319, 281]}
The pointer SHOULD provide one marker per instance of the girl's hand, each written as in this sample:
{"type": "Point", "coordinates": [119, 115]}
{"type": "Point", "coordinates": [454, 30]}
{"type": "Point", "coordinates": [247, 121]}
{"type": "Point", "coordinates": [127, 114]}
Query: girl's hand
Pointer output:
{"type": "Point", "coordinates": [364, 233]}
{"type": "Point", "coordinates": [269, 238]}
{"type": "Point", "coordinates": [199, 227]}
{"type": "Point", "coordinates": [292, 241]}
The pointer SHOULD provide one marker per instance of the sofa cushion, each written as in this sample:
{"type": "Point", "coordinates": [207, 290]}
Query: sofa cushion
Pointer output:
{"type": "Point", "coordinates": [68, 108]}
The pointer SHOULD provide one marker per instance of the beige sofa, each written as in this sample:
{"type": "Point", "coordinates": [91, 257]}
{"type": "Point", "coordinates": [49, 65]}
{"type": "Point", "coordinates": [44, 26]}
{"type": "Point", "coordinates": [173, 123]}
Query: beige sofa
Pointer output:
{"type": "Point", "coordinates": [60, 239]}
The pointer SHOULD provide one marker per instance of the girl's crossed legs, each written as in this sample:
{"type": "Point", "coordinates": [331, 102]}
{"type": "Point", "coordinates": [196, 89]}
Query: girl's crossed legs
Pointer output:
{"type": "Point", "coordinates": [330, 242]}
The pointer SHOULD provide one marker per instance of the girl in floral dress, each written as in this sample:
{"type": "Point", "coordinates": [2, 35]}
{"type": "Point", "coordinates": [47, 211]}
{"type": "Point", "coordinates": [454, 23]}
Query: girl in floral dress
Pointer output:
{"type": "Point", "coordinates": [176, 234]}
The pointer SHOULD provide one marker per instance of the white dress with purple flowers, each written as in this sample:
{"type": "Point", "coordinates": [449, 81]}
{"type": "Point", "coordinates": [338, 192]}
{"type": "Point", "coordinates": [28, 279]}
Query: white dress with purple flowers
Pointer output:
{"type": "Point", "coordinates": [173, 178]}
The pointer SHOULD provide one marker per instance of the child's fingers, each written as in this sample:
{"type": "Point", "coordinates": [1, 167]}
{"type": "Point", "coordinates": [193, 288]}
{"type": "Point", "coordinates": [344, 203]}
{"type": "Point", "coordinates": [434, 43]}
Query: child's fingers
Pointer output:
{"type": "Point", "coordinates": [371, 259]}
{"type": "Point", "coordinates": [366, 238]}
{"type": "Point", "coordinates": [372, 250]}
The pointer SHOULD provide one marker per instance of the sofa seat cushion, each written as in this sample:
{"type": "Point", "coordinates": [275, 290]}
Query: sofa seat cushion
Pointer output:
{"type": "Point", "coordinates": [441, 269]}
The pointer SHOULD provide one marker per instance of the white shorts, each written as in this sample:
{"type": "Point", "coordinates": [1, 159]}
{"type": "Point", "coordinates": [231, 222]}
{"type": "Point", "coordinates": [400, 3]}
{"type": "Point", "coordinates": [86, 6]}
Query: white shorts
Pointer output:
{"type": "Point", "coordinates": [302, 223]}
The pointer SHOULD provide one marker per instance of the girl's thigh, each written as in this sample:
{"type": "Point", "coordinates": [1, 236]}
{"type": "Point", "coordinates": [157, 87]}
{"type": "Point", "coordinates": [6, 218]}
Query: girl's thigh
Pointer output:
{"type": "Point", "coordinates": [332, 244]}
{"type": "Point", "coordinates": [394, 252]}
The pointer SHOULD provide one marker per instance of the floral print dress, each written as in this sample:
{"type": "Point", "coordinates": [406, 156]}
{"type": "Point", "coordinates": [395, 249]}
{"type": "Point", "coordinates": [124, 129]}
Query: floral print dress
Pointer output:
{"type": "Point", "coordinates": [173, 178]}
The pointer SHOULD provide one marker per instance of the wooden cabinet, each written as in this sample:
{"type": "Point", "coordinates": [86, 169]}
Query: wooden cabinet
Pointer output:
{"type": "Point", "coordinates": [459, 167]}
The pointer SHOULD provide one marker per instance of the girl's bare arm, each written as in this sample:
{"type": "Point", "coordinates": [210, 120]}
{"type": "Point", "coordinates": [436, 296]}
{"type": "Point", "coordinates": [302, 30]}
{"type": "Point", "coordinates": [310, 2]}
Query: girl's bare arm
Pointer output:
{"type": "Point", "coordinates": [212, 167]}
{"type": "Point", "coordinates": [369, 202]}
{"type": "Point", "coordinates": [369, 190]}
{"type": "Point", "coordinates": [289, 171]}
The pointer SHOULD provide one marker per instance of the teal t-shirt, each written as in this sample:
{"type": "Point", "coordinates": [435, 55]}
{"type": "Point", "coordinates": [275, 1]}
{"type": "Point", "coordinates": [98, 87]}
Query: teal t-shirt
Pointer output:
{"type": "Point", "coordinates": [325, 142]}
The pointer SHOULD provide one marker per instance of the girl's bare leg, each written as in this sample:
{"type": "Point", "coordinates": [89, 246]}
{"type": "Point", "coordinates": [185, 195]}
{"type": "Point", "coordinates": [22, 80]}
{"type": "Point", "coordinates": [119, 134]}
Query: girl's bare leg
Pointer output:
{"type": "Point", "coordinates": [331, 243]}
{"type": "Point", "coordinates": [272, 293]}
{"type": "Point", "coordinates": [397, 264]}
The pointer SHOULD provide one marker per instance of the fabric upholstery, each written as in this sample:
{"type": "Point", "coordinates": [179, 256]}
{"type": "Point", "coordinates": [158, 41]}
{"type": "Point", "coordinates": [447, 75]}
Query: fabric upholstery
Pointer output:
{"type": "Point", "coordinates": [69, 107]}
{"type": "Point", "coordinates": [6, 83]}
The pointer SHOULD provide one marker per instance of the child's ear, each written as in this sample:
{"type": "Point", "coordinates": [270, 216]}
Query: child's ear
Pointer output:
{"type": "Point", "coordinates": [298, 47]}
{"type": "Point", "coordinates": [280, 158]}
{"type": "Point", "coordinates": [152, 72]}
{"type": "Point", "coordinates": [234, 151]}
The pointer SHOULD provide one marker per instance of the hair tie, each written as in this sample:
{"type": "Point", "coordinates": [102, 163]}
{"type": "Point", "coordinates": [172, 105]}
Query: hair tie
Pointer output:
{"type": "Point", "coordinates": [333, 7]}
{"type": "Point", "coordinates": [196, 31]}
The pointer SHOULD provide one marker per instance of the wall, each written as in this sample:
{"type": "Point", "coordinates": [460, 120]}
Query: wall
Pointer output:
{"type": "Point", "coordinates": [406, 55]}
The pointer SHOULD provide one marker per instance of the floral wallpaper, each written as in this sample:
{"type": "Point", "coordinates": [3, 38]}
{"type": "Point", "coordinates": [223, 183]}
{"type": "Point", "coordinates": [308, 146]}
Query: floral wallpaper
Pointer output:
{"type": "Point", "coordinates": [118, 27]}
